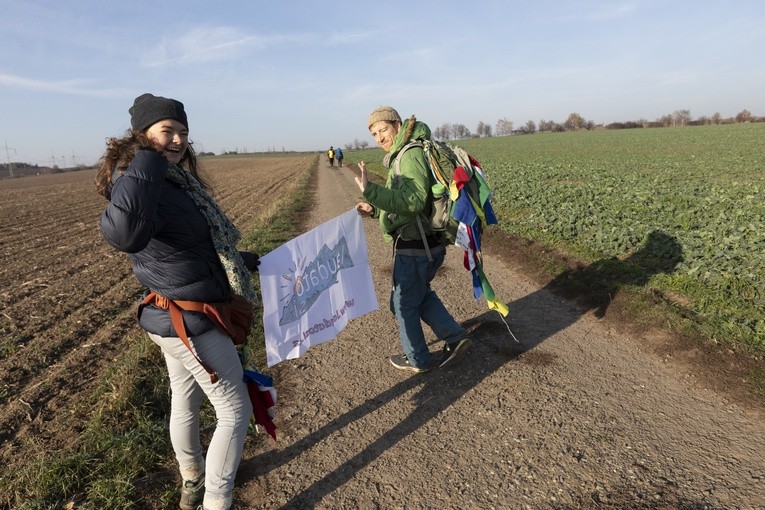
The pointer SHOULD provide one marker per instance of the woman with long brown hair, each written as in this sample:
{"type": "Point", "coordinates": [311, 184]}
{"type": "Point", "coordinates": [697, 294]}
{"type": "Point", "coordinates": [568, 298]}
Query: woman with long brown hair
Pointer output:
{"type": "Point", "coordinates": [183, 249]}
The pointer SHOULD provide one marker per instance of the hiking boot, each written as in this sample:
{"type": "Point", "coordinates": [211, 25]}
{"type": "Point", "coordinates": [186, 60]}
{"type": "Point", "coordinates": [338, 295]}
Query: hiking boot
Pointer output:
{"type": "Point", "coordinates": [401, 362]}
{"type": "Point", "coordinates": [192, 494]}
{"type": "Point", "coordinates": [454, 350]}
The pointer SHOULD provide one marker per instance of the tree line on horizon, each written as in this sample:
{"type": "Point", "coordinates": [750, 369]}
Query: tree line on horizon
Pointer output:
{"type": "Point", "coordinates": [503, 127]}
{"type": "Point", "coordinates": [574, 122]}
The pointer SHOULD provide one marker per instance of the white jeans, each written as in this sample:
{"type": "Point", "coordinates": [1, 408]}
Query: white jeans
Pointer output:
{"type": "Point", "coordinates": [189, 383]}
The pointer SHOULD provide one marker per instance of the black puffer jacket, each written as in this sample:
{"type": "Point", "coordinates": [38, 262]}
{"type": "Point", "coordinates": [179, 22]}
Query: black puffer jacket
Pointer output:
{"type": "Point", "coordinates": [168, 240]}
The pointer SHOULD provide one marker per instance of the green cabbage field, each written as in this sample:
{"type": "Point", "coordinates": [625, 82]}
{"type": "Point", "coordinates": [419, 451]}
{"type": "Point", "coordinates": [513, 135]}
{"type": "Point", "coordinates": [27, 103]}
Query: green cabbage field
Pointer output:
{"type": "Point", "coordinates": [601, 194]}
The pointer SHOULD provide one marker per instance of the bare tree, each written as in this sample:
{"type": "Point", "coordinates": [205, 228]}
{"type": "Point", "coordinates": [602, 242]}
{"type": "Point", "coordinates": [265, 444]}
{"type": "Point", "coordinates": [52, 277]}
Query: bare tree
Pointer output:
{"type": "Point", "coordinates": [550, 126]}
{"type": "Point", "coordinates": [744, 116]}
{"type": "Point", "coordinates": [681, 117]}
{"type": "Point", "coordinates": [443, 132]}
{"type": "Point", "coordinates": [460, 131]}
{"type": "Point", "coordinates": [504, 127]}
{"type": "Point", "coordinates": [483, 130]}
{"type": "Point", "coordinates": [574, 122]}
{"type": "Point", "coordinates": [529, 127]}
{"type": "Point", "coordinates": [357, 144]}
{"type": "Point", "coordinates": [665, 120]}
{"type": "Point", "coordinates": [716, 118]}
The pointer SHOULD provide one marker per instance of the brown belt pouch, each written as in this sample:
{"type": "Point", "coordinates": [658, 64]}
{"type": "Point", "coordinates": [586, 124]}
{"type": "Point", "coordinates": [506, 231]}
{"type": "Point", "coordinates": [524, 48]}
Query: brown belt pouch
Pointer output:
{"type": "Point", "coordinates": [233, 318]}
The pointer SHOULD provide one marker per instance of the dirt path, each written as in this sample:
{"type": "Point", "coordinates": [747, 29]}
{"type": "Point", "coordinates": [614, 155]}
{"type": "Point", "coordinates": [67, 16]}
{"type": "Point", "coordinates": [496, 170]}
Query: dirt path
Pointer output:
{"type": "Point", "coordinates": [579, 416]}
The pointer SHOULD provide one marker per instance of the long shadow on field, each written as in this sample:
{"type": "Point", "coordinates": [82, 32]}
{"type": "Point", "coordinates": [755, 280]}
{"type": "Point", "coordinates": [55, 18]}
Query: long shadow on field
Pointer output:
{"type": "Point", "coordinates": [535, 318]}
{"type": "Point", "coordinates": [593, 287]}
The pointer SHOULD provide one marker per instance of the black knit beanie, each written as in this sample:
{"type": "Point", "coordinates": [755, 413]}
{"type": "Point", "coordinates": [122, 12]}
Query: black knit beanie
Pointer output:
{"type": "Point", "coordinates": [148, 109]}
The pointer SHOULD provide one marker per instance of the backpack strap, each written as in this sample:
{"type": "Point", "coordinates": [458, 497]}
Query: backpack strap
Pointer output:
{"type": "Point", "coordinates": [397, 160]}
{"type": "Point", "coordinates": [424, 238]}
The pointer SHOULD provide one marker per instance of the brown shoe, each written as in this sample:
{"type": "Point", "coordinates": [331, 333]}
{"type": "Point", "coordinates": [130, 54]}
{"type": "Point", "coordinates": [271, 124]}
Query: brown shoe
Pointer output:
{"type": "Point", "coordinates": [192, 494]}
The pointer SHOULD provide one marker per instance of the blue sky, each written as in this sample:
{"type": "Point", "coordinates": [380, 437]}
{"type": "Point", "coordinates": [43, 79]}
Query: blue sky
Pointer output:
{"type": "Point", "coordinates": [303, 75]}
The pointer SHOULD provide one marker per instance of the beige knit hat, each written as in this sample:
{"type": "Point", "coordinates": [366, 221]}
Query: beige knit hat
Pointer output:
{"type": "Point", "coordinates": [383, 113]}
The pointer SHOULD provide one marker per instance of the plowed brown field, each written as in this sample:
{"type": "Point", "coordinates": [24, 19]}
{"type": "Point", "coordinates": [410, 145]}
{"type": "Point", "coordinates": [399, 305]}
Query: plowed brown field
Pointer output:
{"type": "Point", "coordinates": [66, 297]}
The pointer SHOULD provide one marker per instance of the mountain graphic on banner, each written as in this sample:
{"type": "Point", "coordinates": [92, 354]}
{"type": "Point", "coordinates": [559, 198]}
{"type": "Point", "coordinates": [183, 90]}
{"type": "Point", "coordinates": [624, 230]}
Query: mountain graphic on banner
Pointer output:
{"type": "Point", "coordinates": [318, 276]}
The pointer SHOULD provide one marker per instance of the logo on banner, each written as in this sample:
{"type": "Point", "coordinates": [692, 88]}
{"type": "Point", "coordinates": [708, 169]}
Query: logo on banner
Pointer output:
{"type": "Point", "coordinates": [308, 282]}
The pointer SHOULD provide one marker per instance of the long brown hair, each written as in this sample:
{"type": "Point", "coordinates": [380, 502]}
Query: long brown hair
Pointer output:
{"type": "Point", "coordinates": [121, 151]}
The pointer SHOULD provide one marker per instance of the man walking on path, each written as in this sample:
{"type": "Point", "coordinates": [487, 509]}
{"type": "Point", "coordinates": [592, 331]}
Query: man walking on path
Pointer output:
{"type": "Point", "coordinates": [398, 204]}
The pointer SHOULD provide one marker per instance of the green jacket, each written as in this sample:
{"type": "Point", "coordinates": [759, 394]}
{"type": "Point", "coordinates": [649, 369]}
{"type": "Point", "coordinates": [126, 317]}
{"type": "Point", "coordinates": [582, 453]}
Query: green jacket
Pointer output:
{"type": "Point", "coordinates": [398, 203]}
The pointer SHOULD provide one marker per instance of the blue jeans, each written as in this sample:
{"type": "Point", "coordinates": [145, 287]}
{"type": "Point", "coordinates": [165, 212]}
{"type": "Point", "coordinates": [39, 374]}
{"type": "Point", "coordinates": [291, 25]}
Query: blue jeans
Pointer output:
{"type": "Point", "coordinates": [412, 300]}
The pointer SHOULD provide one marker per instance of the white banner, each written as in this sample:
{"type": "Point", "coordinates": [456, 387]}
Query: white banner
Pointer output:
{"type": "Point", "coordinates": [313, 285]}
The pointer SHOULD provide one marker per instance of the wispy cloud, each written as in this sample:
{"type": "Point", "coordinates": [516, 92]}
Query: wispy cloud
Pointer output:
{"type": "Point", "coordinates": [202, 44]}
{"type": "Point", "coordinates": [77, 87]}
{"type": "Point", "coordinates": [213, 44]}
{"type": "Point", "coordinates": [353, 37]}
